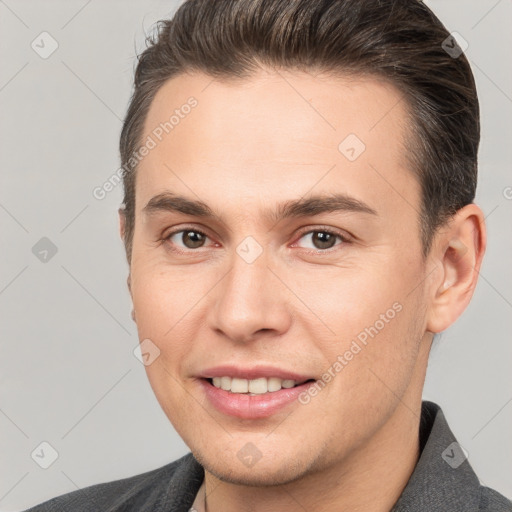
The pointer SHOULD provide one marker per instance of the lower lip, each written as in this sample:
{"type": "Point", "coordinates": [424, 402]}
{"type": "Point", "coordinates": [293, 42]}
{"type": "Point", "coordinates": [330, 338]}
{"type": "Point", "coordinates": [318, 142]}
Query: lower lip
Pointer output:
{"type": "Point", "coordinates": [252, 407]}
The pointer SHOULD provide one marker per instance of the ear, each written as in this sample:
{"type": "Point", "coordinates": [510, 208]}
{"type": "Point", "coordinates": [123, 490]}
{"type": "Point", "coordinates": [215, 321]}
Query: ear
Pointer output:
{"type": "Point", "coordinates": [457, 252]}
{"type": "Point", "coordinates": [122, 221]}
{"type": "Point", "coordinates": [122, 232]}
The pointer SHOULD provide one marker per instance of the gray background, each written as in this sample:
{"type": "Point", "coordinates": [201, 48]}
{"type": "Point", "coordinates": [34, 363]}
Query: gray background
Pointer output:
{"type": "Point", "coordinates": [68, 375]}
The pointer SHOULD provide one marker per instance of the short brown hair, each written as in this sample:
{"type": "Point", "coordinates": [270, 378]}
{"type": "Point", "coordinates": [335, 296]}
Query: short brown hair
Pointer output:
{"type": "Point", "coordinates": [400, 41]}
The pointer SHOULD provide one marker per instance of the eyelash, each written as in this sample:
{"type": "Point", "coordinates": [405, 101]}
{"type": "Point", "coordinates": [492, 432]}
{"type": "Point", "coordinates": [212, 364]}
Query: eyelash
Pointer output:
{"type": "Point", "coordinates": [341, 236]}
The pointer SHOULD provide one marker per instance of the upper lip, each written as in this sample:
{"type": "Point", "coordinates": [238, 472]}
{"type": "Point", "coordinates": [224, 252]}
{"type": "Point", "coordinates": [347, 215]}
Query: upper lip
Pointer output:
{"type": "Point", "coordinates": [253, 372]}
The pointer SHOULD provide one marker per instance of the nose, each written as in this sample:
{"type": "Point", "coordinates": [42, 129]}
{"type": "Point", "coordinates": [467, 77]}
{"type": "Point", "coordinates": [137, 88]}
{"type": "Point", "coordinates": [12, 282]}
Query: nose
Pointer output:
{"type": "Point", "coordinates": [250, 302]}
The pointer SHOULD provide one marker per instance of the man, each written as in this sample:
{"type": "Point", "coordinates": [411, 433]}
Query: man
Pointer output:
{"type": "Point", "coordinates": [299, 224]}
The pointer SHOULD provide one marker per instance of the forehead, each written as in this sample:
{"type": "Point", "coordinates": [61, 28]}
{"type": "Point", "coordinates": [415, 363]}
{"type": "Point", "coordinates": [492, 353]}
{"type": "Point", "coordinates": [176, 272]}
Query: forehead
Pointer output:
{"type": "Point", "coordinates": [277, 135]}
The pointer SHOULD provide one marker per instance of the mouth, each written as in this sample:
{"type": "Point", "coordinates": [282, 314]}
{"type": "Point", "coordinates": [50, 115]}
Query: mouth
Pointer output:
{"type": "Point", "coordinates": [252, 399]}
{"type": "Point", "coordinates": [254, 387]}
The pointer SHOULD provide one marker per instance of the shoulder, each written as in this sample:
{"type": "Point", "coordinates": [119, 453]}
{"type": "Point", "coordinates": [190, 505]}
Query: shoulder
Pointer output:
{"type": "Point", "coordinates": [443, 478]}
{"type": "Point", "coordinates": [156, 489]}
{"type": "Point", "coordinates": [493, 501]}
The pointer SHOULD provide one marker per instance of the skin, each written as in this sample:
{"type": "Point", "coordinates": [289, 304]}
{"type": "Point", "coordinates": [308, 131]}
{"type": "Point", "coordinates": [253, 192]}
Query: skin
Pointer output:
{"type": "Point", "coordinates": [246, 147]}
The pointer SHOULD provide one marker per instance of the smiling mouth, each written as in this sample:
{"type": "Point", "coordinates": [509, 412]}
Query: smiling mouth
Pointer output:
{"type": "Point", "coordinates": [253, 387]}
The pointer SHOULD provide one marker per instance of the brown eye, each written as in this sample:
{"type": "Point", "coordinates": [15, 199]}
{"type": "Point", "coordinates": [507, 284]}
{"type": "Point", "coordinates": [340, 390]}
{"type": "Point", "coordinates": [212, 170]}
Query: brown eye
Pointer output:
{"type": "Point", "coordinates": [192, 239]}
{"type": "Point", "coordinates": [321, 240]}
{"type": "Point", "coordinates": [187, 238]}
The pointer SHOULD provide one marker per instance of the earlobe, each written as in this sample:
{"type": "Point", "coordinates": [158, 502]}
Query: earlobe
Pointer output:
{"type": "Point", "coordinates": [460, 249]}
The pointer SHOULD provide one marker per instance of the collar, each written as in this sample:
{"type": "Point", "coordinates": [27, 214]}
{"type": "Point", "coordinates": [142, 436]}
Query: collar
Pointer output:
{"type": "Point", "coordinates": [443, 478]}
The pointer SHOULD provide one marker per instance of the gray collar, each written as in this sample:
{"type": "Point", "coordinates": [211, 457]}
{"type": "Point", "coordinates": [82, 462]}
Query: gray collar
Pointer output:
{"type": "Point", "coordinates": [443, 478]}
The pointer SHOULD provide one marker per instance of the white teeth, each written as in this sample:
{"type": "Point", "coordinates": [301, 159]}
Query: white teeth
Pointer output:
{"type": "Point", "coordinates": [258, 386]}
{"type": "Point", "coordinates": [273, 384]}
{"type": "Point", "coordinates": [239, 385]}
{"type": "Point", "coordinates": [255, 386]}
{"type": "Point", "coordinates": [225, 383]}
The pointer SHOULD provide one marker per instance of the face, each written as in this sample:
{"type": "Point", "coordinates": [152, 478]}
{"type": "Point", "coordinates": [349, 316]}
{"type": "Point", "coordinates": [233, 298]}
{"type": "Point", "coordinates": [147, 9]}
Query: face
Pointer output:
{"type": "Point", "coordinates": [277, 236]}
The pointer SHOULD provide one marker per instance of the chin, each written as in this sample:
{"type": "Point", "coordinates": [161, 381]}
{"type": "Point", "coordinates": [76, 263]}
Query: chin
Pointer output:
{"type": "Point", "coordinates": [259, 475]}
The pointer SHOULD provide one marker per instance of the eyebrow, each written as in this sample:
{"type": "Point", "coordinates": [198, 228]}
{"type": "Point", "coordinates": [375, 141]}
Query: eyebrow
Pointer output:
{"type": "Point", "coordinates": [303, 207]}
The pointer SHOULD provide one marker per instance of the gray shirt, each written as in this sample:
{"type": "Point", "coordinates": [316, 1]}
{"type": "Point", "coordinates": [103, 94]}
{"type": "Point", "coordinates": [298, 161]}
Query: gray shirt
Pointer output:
{"type": "Point", "coordinates": [443, 480]}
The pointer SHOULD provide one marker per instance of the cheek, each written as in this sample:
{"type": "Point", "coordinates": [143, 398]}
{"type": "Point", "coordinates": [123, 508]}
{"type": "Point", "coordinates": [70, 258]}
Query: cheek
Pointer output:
{"type": "Point", "coordinates": [369, 316]}
{"type": "Point", "coordinates": [163, 295]}
{"type": "Point", "coordinates": [164, 303]}
{"type": "Point", "coordinates": [348, 300]}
